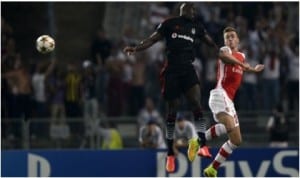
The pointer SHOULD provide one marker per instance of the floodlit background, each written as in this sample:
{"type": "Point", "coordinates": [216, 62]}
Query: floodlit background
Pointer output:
{"type": "Point", "coordinates": [87, 94]}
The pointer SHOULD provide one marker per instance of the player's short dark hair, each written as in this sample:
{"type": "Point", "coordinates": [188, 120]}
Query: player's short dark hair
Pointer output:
{"type": "Point", "coordinates": [229, 29]}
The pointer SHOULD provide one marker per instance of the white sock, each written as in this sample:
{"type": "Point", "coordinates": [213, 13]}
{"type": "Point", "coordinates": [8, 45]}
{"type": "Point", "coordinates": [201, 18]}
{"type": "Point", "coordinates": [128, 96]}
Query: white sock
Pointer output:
{"type": "Point", "coordinates": [224, 152]}
{"type": "Point", "coordinates": [215, 131]}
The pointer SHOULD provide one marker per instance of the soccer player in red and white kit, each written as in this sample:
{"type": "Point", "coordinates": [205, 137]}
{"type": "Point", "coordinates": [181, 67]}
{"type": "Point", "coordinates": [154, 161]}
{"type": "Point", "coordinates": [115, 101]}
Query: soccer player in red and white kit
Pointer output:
{"type": "Point", "coordinates": [231, 65]}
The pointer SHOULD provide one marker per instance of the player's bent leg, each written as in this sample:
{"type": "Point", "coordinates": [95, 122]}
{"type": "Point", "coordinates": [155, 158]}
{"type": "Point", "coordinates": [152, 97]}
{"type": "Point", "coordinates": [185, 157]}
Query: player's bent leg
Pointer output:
{"type": "Point", "coordinates": [228, 147]}
{"type": "Point", "coordinates": [233, 129]}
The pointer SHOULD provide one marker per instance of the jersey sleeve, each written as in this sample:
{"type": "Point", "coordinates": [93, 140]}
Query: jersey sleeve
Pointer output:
{"type": "Point", "coordinates": [162, 28]}
{"type": "Point", "coordinates": [201, 31]}
{"type": "Point", "coordinates": [226, 49]}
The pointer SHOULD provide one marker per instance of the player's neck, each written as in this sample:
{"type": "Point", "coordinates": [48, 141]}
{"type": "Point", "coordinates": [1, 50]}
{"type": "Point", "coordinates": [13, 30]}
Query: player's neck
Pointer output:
{"type": "Point", "coordinates": [234, 49]}
{"type": "Point", "coordinates": [187, 18]}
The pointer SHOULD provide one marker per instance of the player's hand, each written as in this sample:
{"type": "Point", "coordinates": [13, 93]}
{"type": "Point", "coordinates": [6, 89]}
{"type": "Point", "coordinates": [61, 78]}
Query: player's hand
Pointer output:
{"type": "Point", "coordinates": [246, 66]}
{"type": "Point", "coordinates": [259, 67]}
{"type": "Point", "coordinates": [129, 50]}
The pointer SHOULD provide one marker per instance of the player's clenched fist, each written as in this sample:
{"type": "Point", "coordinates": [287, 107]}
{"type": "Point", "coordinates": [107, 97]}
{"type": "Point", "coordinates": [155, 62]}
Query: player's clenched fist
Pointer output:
{"type": "Point", "coordinates": [259, 67]}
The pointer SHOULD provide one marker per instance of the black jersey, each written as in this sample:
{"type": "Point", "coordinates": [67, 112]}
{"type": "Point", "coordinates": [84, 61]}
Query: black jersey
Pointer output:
{"type": "Point", "coordinates": [180, 34]}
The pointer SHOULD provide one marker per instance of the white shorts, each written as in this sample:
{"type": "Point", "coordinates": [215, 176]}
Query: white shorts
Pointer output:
{"type": "Point", "coordinates": [220, 102]}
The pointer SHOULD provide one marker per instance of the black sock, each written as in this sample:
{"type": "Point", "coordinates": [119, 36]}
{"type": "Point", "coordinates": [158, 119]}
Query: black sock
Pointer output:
{"type": "Point", "coordinates": [202, 139]}
{"type": "Point", "coordinates": [200, 124]}
{"type": "Point", "coordinates": [170, 131]}
{"type": "Point", "coordinates": [170, 147]}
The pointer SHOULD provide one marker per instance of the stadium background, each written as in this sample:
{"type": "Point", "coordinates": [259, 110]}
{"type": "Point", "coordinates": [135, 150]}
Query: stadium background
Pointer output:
{"type": "Point", "coordinates": [123, 84]}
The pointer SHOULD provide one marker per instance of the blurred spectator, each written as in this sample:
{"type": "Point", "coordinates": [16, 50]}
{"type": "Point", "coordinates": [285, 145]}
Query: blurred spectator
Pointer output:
{"type": "Point", "coordinates": [271, 76]}
{"type": "Point", "coordinates": [249, 87]}
{"type": "Point", "coordinates": [184, 130]}
{"type": "Point", "coordinates": [127, 77]}
{"type": "Point", "coordinates": [151, 136]}
{"type": "Point", "coordinates": [292, 53]}
{"type": "Point", "coordinates": [115, 96]}
{"type": "Point", "coordinates": [153, 65]}
{"type": "Point", "coordinates": [7, 42]}
{"type": "Point", "coordinates": [278, 128]}
{"type": "Point", "coordinates": [129, 36]}
{"type": "Point", "coordinates": [59, 129]}
{"type": "Point", "coordinates": [9, 49]}
{"type": "Point", "coordinates": [149, 112]}
{"type": "Point", "coordinates": [158, 13]}
{"type": "Point", "coordinates": [6, 90]}
{"type": "Point", "coordinates": [6, 28]}
{"type": "Point", "coordinates": [19, 82]}
{"type": "Point", "coordinates": [90, 102]}
{"type": "Point", "coordinates": [7, 97]}
{"type": "Point", "coordinates": [204, 10]}
{"type": "Point", "coordinates": [137, 89]}
{"type": "Point", "coordinates": [73, 84]}
{"type": "Point", "coordinates": [214, 27]}
{"type": "Point", "coordinates": [101, 47]}
{"type": "Point", "coordinates": [101, 85]}
{"type": "Point", "coordinates": [40, 102]}
{"type": "Point", "coordinates": [256, 37]}
{"type": "Point", "coordinates": [39, 88]}
{"type": "Point", "coordinates": [111, 137]}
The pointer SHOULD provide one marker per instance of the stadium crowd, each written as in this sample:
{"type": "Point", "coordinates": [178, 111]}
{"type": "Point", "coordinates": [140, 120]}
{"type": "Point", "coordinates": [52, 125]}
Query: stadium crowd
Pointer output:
{"type": "Point", "coordinates": [110, 83]}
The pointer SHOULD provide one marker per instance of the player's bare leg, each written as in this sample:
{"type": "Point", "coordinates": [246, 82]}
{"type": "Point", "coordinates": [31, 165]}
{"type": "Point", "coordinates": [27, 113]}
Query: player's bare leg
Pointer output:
{"type": "Point", "coordinates": [193, 96]}
{"type": "Point", "coordinates": [235, 139]}
{"type": "Point", "coordinates": [170, 123]}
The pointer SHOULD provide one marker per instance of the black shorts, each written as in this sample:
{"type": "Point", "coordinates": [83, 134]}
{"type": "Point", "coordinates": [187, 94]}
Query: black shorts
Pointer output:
{"type": "Point", "coordinates": [175, 83]}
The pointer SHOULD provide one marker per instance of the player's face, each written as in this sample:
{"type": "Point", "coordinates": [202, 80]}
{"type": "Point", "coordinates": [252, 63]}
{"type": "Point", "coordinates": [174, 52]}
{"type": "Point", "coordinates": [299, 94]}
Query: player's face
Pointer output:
{"type": "Point", "coordinates": [190, 11]}
{"type": "Point", "coordinates": [231, 39]}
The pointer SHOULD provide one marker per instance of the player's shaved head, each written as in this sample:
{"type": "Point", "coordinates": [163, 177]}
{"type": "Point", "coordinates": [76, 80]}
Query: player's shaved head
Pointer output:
{"type": "Point", "coordinates": [187, 9]}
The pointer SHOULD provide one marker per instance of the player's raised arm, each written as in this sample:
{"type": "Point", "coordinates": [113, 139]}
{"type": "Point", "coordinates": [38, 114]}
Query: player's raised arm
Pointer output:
{"type": "Point", "coordinates": [146, 43]}
{"type": "Point", "coordinates": [226, 57]}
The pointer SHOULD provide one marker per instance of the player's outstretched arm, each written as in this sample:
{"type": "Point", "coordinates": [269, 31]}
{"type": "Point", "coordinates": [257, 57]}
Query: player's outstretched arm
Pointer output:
{"type": "Point", "coordinates": [146, 43]}
{"type": "Point", "coordinates": [257, 68]}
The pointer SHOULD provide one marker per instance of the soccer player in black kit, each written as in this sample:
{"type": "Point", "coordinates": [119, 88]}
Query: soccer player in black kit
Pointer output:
{"type": "Point", "coordinates": [178, 75]}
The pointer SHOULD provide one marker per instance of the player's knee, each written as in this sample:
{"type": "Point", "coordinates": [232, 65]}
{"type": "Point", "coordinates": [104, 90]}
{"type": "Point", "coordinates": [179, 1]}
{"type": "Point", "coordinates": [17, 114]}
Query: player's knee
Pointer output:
{"type": "Point", "coordinates": [236, 141]}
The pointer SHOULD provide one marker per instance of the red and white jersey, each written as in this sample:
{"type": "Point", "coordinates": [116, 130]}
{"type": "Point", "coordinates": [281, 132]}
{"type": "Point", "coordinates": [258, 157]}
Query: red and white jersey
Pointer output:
{"type": "Point", "coordinates": [229, 76]}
